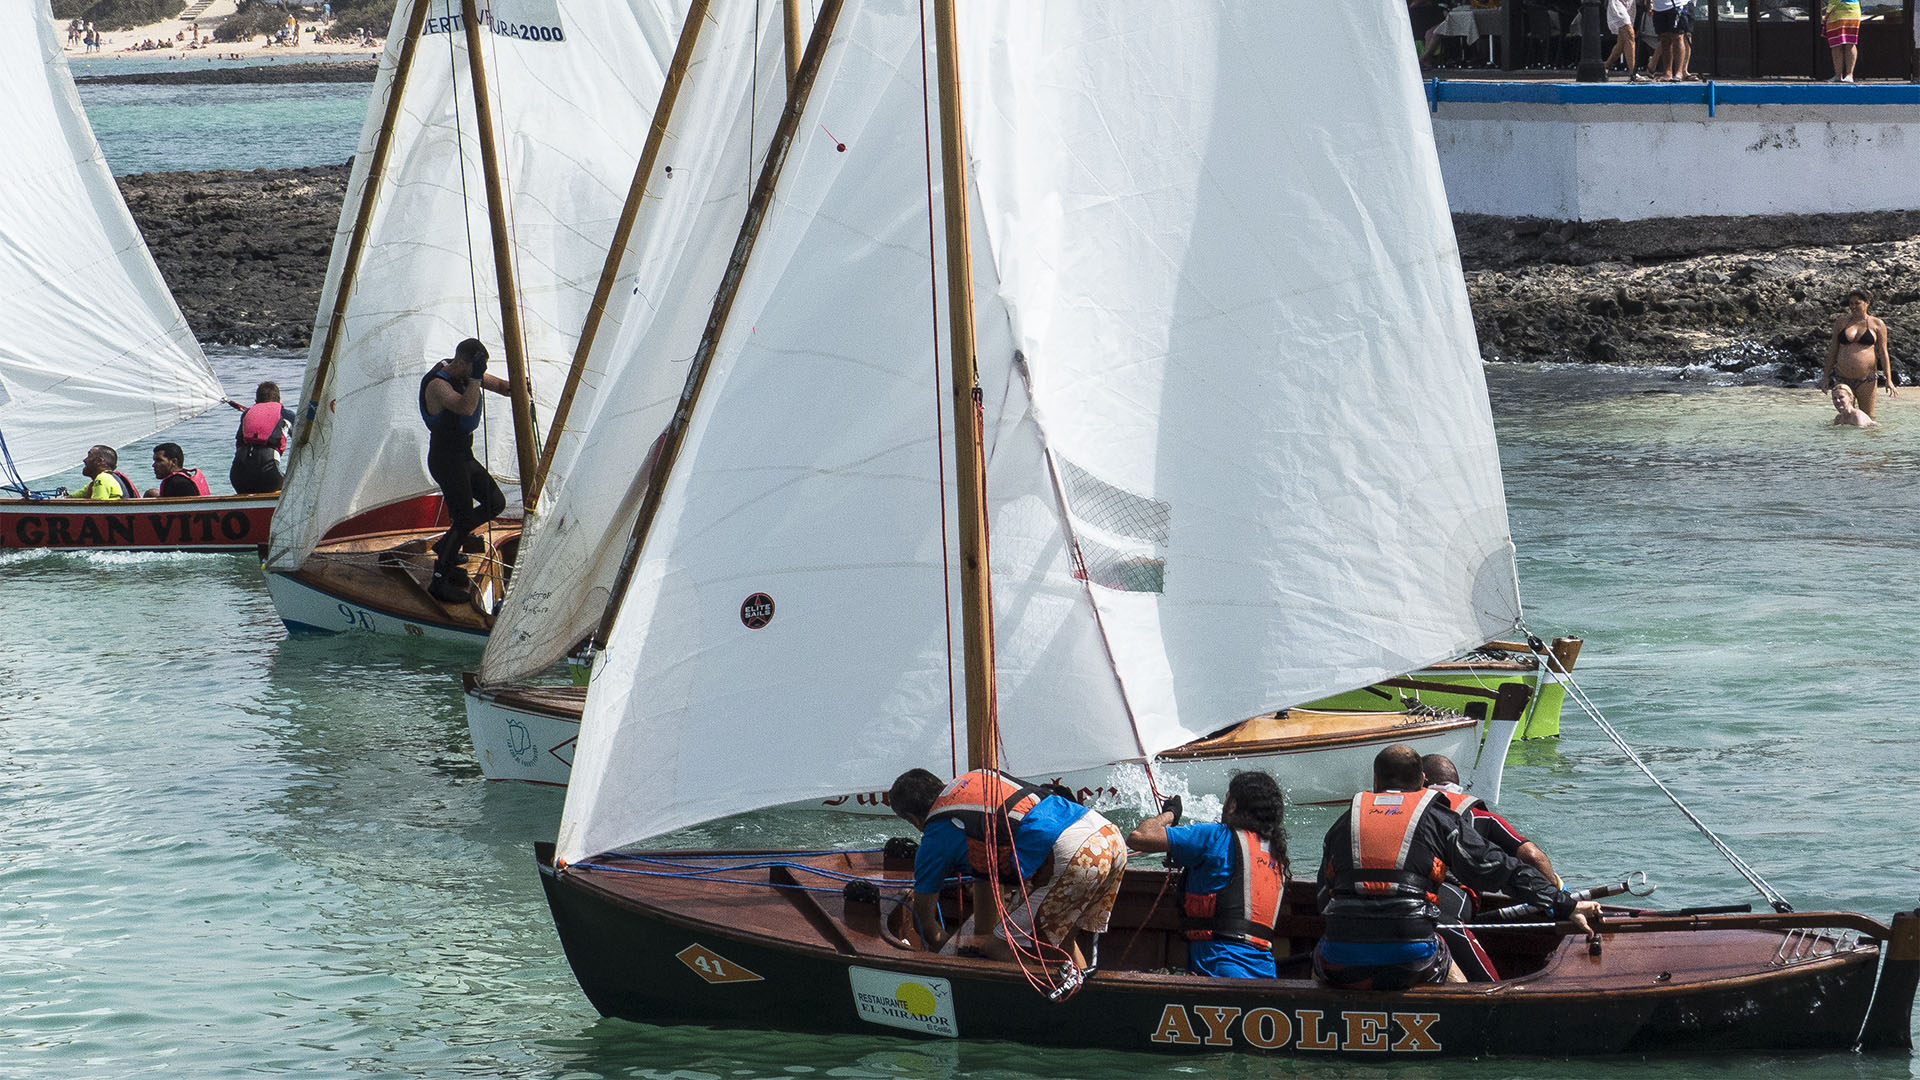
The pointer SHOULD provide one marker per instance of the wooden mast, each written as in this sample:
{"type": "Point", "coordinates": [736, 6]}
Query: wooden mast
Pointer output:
{"type": "Point", "coordinates": [675, 435]}
{"type": "Point", "coordinates": [792, 20]}
{"type": "Point", "coordinates": [622, 233]}
{"type": "Point", "coordinates": [976, 594]}
{"type": "Point", "coordinates": [510, 329]}
{"type": "Point", "coordinates": [362, 221]}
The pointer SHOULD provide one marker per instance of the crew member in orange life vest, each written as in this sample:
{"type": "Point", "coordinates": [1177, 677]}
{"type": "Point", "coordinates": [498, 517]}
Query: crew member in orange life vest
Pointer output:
{"type": "Point", "coordinates": [1382, 866]}
{"type": "Point", "coordinates": [1236, 872]}
{"type": "Point", "coordinates": [176, 480]}
{"type": "Point", "coordinates": [450, 405]}
{"type": "Point", "coordinates": [1066, 859]}
{"type": "Point", "coordinates": [261, 440]}
{"type": "Point", "coordinates": [104, 478]}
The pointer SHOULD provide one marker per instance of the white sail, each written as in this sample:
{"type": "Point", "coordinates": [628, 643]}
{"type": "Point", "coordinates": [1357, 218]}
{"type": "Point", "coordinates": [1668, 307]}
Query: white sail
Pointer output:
{"type": "Point", "coordinates": [573, 84]}
{"type": "Point", "coordinates": [1251, 348]}
{"type": "Point", "coordinates": [1191, 521]}
{"type": "Point", "coordinates": [92, 347]}
{"type": "Point", "coordinates": [812, 474]}
{"type": "Point", "coordinates": [729, 104]}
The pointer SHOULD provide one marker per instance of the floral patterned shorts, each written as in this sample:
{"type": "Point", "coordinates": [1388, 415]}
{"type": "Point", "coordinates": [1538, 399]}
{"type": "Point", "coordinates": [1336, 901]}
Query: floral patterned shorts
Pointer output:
{"type": "Point", "coordinates": [1088, 860]}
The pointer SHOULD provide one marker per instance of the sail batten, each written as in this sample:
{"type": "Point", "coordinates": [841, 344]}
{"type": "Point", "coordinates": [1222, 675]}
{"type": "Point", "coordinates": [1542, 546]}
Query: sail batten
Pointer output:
{"type": "Point", "coordinates": [91, 335]}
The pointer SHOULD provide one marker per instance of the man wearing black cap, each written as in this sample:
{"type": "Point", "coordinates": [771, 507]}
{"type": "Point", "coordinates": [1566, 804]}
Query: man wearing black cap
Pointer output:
{"type": "Point", "coordinates": [450, 405]}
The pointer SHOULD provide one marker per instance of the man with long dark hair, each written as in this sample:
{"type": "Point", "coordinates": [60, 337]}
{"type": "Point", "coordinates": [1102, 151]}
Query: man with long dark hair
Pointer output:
{"type": "Point", "coordinates": [1236, 873]}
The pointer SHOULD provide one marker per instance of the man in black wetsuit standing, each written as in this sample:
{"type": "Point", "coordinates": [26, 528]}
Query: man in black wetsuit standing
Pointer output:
{"type": "Point", "coordinates": [450, 405]}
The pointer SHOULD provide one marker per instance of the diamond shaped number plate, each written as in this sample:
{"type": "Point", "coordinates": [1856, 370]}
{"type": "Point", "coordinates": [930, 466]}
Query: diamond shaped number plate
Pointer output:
{"type": "Point", "coordinates": [712, 967]}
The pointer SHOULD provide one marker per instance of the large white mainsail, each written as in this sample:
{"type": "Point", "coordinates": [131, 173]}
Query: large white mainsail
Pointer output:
{"type": "Point", "coordinates": [573, 84]}
{"type": "Point", "coordinates": [92, 347]}
{"type": "Point", "coordinates": [1237, 286]}
{"type": "Point", "coordinates": [1195, 514]}
{"type": "Point", "coordinates": [728, 106]}
{"type": "Point", "coordinates": [812, 473]}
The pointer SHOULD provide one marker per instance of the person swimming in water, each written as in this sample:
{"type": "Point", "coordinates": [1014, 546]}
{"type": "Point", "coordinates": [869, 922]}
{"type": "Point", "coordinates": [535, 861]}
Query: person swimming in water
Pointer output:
{"type": "Point", "coordinates": [1847, 413]}
{"type": "Point", "coordinates": [1858, 355]}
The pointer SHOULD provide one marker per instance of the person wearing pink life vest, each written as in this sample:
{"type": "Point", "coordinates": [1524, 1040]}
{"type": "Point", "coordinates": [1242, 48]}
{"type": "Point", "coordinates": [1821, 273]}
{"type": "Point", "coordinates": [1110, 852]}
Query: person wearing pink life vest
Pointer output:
{"type": "Point", "coordinates": [262, 439]}
{"type": "Point", "coordinates": [176, 480]}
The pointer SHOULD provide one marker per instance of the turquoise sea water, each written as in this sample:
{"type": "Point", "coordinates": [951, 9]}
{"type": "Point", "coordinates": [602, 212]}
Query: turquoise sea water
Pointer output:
{"type": "Point", "coordinates": [232, 853]}
{"type": "Point", "coordinates": [175, 128]}
{"type": "Point", "coordinates": [235, 853]}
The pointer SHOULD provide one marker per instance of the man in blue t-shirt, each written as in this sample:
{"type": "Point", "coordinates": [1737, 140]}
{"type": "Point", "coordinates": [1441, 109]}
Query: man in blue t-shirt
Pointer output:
{"type": "Point", "coordinates": [1066, 859]}
{"type": "Point", "coordinates": [1236, 873]}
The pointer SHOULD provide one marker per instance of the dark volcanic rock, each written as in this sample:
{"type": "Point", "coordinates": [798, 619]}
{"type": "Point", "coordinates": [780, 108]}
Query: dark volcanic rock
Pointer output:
{"type": "Point", "coordinates": [244, 252]}
{"type": "Point", "coordinates": [246, 255]}
{"type": "Point", "coordinates": [1753, 294]}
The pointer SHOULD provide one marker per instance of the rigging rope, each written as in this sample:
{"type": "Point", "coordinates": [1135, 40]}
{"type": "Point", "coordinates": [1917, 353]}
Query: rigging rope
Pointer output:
{"type": "Point", "coordinates": [466, 221]}
{"type": "Point", "coordinates": [11, 480]}
{"type": "Point", "coordinates": [939, 400]}
{"type": "Point", "coordinates": [1579, 696]}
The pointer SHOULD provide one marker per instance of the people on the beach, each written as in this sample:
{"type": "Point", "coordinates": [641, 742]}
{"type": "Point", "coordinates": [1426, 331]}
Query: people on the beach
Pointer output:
{"type": "Point", "coordinates": [1457, 903]}
{"type": "Point", "coordinates": [996, 825]}
{"type": "Point", "coordinates": [1842, 28]}
{"type": "Point", "coordinates": [176, 480]}
{"type": "Point", "coordinates": [450, 405]}
{"type": "Point", "coordinates": [1857, 357]}
{"type": "Point", "coordinates": [1382, 867]}
{"type": "Point", "coordinates": [259, 443]}
{"type": "Point", "coordinates": [1673, 55]}
{"type": "Point", "coordinates": [1236, 873]}
{"type": "Point", "coordinates": [1847, 412]}
{"type": "Point", "coordinates": [101, 467]}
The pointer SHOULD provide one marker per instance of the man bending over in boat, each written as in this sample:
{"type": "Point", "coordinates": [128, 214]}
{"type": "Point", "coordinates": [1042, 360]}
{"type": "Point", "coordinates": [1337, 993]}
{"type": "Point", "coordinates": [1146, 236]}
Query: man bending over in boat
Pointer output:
{"type": "Point", "coordinates": [1381, 870]}
{"type": "Point", "coordinates": [1457, 902]}
{"type": "Point", "coordinates": [104, 478]}
{"type": "Point", "coordinates": [1236, 872]}
{"type": "Point", "coordinates": [176, 480]}
{"type": "Point", "coordinates": [450, 405]}
{"type": "Point", "coordinates": [1061, 870]}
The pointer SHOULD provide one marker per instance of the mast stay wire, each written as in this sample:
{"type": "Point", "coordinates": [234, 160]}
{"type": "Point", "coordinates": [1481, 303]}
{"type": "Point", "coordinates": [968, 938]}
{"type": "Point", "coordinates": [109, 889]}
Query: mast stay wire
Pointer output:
{"type": "Point", "coordinates": [1579, 696]}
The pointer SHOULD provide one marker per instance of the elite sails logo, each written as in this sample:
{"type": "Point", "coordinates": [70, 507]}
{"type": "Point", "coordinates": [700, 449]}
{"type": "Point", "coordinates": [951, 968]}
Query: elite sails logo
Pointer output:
{"type": "Point", "coordinates": [1304, 1029]}
{"type": "Point", "coordinates": [524, 20]}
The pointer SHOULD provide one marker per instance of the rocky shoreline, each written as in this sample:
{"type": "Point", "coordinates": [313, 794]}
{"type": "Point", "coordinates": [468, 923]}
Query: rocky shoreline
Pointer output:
{"type": "Point", "coordinates": [339, 71]}
{"type": "Point", "coordinates": [246, 255]}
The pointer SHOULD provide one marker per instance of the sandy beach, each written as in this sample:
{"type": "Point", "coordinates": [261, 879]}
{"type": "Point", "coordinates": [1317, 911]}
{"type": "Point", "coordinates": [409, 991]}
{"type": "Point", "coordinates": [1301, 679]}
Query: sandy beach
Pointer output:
{"type": "Point", "coordinates": [125, 44]}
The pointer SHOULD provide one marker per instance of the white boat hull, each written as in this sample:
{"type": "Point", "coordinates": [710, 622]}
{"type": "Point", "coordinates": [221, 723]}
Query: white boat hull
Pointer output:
{"type": "Point", "coordinates": [532, 746]}
{"type": "Point", "coordinates": [307, 609]}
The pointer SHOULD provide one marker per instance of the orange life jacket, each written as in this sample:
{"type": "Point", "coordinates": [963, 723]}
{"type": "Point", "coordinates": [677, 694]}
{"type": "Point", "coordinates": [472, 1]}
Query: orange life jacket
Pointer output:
{"type": "Point", "coordinates": [1383, 826]}
{"type": "Point", "coordinates": [986, 801]}
{"type": "Point", "coordinates": [1247, 907]}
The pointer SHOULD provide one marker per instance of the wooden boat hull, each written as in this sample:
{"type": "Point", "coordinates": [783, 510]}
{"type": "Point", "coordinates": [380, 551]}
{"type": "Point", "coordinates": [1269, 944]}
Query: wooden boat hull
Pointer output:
{"type": "Point", "coordinates": [200, 523]}
{"type": "Point", "coordinates": [668, 951]}
{"type": "Point", "coordinates": [376, 581]}
{"type": "Point", "coordinates": [528, 733]}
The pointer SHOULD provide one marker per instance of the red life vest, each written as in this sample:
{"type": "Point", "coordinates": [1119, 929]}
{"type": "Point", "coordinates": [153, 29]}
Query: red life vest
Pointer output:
{"type": "Point", "coordinates": [127, 490]}
{"type": "Point", "coordinates": [1247, 907]}
{"type": "Point", "coordinates": [1383, 825]}
{"type": "Point", "coordinates": [199, 481]}
{"type": "Point", "coordinates": [970, 799]}
{"type": "Point", "coordinates": [260, 426]}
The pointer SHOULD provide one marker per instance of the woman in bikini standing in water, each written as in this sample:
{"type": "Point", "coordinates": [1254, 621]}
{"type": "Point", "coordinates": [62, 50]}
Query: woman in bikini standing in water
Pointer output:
{"type": "Point", "coordinates": [1858, 354]}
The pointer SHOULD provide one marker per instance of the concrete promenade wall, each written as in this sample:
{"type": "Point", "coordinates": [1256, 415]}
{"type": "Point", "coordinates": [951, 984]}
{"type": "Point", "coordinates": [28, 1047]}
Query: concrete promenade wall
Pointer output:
{"type": "Point", "coordinates": [1597, 151]}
